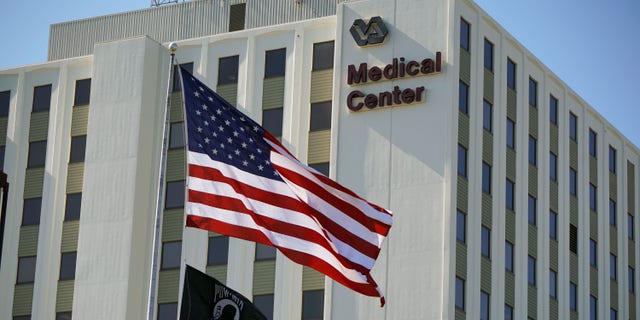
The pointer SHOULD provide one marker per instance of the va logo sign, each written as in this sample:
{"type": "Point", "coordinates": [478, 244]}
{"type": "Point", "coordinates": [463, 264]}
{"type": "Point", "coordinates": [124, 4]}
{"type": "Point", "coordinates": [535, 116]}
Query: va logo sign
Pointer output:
{"type": "Point", "coordinates": [373, 32]}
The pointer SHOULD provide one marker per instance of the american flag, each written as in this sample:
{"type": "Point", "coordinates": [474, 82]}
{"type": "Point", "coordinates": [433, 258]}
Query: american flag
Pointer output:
{"type": "Point", "coordinates": [243, 183]}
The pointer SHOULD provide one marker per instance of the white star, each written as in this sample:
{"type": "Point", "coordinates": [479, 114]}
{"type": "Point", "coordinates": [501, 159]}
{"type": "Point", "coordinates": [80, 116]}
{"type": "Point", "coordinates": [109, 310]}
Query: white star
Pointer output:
{"type": "Point", "coordinates": [259, 151]}
{"type": "Point", "coordinates": [222, 145]}
{"type": "Point", "coordinates": [215, 134]}
{"type": "Point", "coordinates": [260, 167]}
{"type": "Point", "coordinates": [198, 112]}
{"type": "Point", "coordinates": [252, 157]}
{"type": "Point", "coordinates": [206, 140]}
{"type": "Point", "coordinates": [201, 88]}
{"type": "Point", "coordinates": [230, 157]}
{"type": "Point", "coordinates": [199, 129]}
{"type": "Point", "coordinates": [242, 119]}
{"type": "Point", "coordinates": [235, 133]}
{"type": "Point", "coordinates": [244, 145]}
{"type": "Point", "coordinates": [204, 106]}
{"type": "Point", "coordinates": [255, 128]}
{"type": "Point", "coordinates": [221, 128]}
{"type": "Point", "coordinates": [245, 163]}
{"type": "Point", "coordinates": [206, 123]}
{"type": "Point", "coordinates": [219, 112]}
{"type": "Point", "coordinates": [213, 118]}
{"type": "Point", "coordinates": [237, 152]}
{"type": "Point", "coordinates": [227, 122]}
{"type": "Point", "coordinates": [210, 99]}
{"type": "Point", "coordinates": [196, 93]}
{"type": "Point", "coordinates": [267, 162]}
{"type": "Point", "coordinates": [229, 140]}
{"type": "Point", "coordinates": [214, 151]}
{"type": "Point", "coordinates": [200, 145]}
{"type": "Point", "coordinates": [242, 129]}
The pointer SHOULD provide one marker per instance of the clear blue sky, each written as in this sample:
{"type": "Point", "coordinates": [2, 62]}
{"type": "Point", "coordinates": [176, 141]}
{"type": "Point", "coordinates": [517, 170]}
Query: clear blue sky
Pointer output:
{"type": "Point", "coordinates": [590, 45]}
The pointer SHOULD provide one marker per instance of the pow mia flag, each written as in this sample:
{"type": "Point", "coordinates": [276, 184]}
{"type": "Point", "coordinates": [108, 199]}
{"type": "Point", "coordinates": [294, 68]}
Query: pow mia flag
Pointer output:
{"type": "Point", "coordinates": [205, 298]}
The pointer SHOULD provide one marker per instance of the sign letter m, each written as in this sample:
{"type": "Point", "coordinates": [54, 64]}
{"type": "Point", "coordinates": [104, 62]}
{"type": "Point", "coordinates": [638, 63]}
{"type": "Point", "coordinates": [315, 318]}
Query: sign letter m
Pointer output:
{"type": "Point", "coordinates": [373, 32]}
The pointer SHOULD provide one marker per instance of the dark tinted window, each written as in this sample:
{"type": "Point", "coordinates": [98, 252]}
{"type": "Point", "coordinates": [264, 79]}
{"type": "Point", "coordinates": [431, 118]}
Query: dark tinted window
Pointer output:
{"type": "Point", "coordinates": [531, 271]}
{"type": "Point", "coordinates": [592, 197]}
{"type": "Point", "coordinates": [593, 253]}
{"type": "Point", "coordinates": [2, 148]}
{"type": "Point", "coordinates": [488, 55]}
{"type": "Point", "coordinates": [533, 92]}
{"type": "Point", "coordinates": [508, 256]}
{"type": "Point", "coordinates": [592, 143]}
{"type": "Point", "coordinates": [593, 308]}
{"type": "Point", "coordinates": [532, 210]}
{"type": "Point", "coordinates": [463, 97]}
{"type": "Point", "coordinates": [631, 279]}
{"type": "Point", "coordinates": [484, 305]}
{"type": "Point", "coordinates": [510, 192]}
{"type": "Point", "coordinates": [486, 242]}
{"type": "Point", "coordinates": [272, 121]}
{"type": "Point", "coordinates": [459, 294]}
{"type": "Point", "coordinates": [41, 98]}
{"type": "Point", "coordinates": [322, 55]}
{"type": "Point", "coordinates": [177, 86]}
{"type": "Point", "coordinates": [171, 255]}
{"type": "Point", "coordinates": [573, 182]}
{"type": "Point", "coordinates": [511, 74]}
{"type": "Point", "coordinates": [464, 34]}
{"type": "Point", "coordinates": [174, 195]}
{"type": "Point", "coordinates": [630, 226]}
{"type": "Point", "coordinates": [320, 116]}
{"type": "Point", "coordinates": [275, 63]}
{"type": "Point", "coordinates": [37, 154]}
{"type": "Point", "coordinates": [68, 266]}
{"type": "Point", "coordinates": [265, 252]}
{"type": "Point", "coordinates": [5, 99]}
{"type": "Point", "coordinates": [573, 296]}
{"type": "Point", "coordinates": [462, 161]}
{"type": "Point", "coordinates": [78, 146]}
{"type": "Point", "coordinates": [31, 211]}
{"type": "Point", "coordinates": [487, 114]}
{"type": "Point", "coordinates": [511, 134]}
{"type": "Point", "coordinates": [167, 311]}
{"type": "Point", "coordinates": [176, 135]}
{"type": "Point", "coordinates": [461, 226]}
{"type": "Point", "coordinates": [508, 312]}
{"type": "Point", "coordinates": [553, 167]}
{"type": "Point", "coordinates": [612, 212]}
{"type": "Point", "coordinates": [573, 126]}
{"type": "Point", "coordinates": [553, 284]}
{"type": "Point", "coordinates": [237, 16]}
{"type": "Point", "coordinates": [228, 70]}
{"type": "Point", "coordinates": [533, 150]}
{"type": "Point", "coordinates": [322, 167]}
{"type": "Point", "coordinates": [26, 269]}
{"type": "Point", "coordinates": [63, 315]}
{"type": "Point", "coordinates": [553, 225]}
{"type": "Point", "coordinates": [486, 178]}
{"type": "Point", "coordinates": [553, 110]}
{"type": "Point", "coordinates": [613, 265]}
{"type": "Point", "coordinates": [218, 252]}
{"type": "Point", "coordinates": [72, 206]}
{"type": "Point", "coordinates": [264, 303]}
{"type": "Point", "coordinates": [83, 92]}
{"type": "Point", "coordinates": [312, 304]}
{"type": "Point", "coordinates": [612, 159]}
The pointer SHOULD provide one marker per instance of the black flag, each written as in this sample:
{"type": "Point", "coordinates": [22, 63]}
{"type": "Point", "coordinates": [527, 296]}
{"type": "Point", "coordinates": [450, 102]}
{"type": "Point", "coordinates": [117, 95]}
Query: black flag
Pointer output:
{"type": "Point", "coordinates": [204, 297]}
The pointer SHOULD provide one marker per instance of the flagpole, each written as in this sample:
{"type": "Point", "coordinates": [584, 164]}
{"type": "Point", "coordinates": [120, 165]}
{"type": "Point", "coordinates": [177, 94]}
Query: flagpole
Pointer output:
{"type": "Point", "coordinates": [159, 205]}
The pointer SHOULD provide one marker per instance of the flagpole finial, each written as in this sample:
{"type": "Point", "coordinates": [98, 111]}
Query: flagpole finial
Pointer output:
{"type": "Point", "coordinates": [173, 47]}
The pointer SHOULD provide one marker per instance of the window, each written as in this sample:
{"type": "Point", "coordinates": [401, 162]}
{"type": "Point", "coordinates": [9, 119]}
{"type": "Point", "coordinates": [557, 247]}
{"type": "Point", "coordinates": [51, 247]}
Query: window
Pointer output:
{"type": "Point", "coordinates": [263, 251]}
{"type": "Point", "coordinates": [218, 251]}
{"type": "Point", "coordinates": [41, 98]}
{"type": "Point", "coordinates": [613, 264]}
{"type": "Point", "coordinates": [533, 92]}
{"type": "Point", "coordinates": [511, 134]}
{"type": "Point", "coordinates": [462, 161]}
{"type": "Point", "coordinates": [171, 255]}
{"type": "Point", "coordinates": [83, 92]}
{"type": "Point", "coordinates": [613, 314]}
{"type": "Point", "coordinates": [78, 146]}
{"type": "Point", "coordinates": [486, 242]}
{"type": "Point", "coordinates": [487, 115]}
{"type": "Point", "coordinates": [553, 166]}
{"type": "Point", "coordinates": [176, 135]}
{"type": "Point", "coordinates": [573, 126]}
{"type": "Point", "coordinates": [508, 256]}
{"type": "Point", "coordinates": [228, 70]}
{"type": "Point", "coordinates": [573, 238]}
{"type": "Point", "coordinates": [573, 296]}
{"type": "Point", "coordinates": [2, 148]}
{"type": "Point", "coordinates": [463, 97]}
{"type": "Point", "coordinates": [176, 75]}
{"type": "Point", "coordinates": [167, 311]}
{"type": "Point", "coordinates": [264, 303]}
{"type": "Point", "coordinates": [5, 101]}
{"type": "Point", "coordinates": [612, 212]}
{"type": "Point", "coordinates": [63, 315]}
{"type": "Point", "coordinates": [174, 195]}
{"type": "Point", "coordinates": [510, 198]}
{"type": "Point", "coordinates": [631, 279]}
{"type": "Point", "coordinates": [593, 194]}
{"type": "Point", "coordinates": [630, 226]}
{"type": "Point", "coordinates": [68, 266]}
{"type": "Point", "coordinates": [31, 211]}
{"type": "Point", "coordinates": [486, 178]}
{"type": "Point", "coordinates": [553, 225]}
{"type": "Point", "coordinates": [592, 143]}
{"type": "Point", "coordinates": [488, 55]}
{"type": "Point", "coordinates": [26, 269]}
{"type": "Point", "coordinates": [573, 176]}
{"type": "Point", "coordinates": [593, 253]}
{"type": "Point", "coordinates": [461, 226]}
{"type": "Point", "coordinates": [275, 62]}
{"type": "Point", "coordinates": [37, 154]}
{"type": "Point", "coordinates": [272, 121]}
{"type": "Point", "coordinates": [72, 206]}
{"type": "Point", "coordinates": [593, 307]}
{"type": "Point", "coordinates": [322, 55]}
{"type": "Point", "coordinates": [533, 151]}
{"type": "Point", "coordinates": [532, 210]}
{"type": "Point", "coordinates": [531, 271]}
{"type": "Point", "coordinates": [312, 304]}
{"type": "Point", "coordinates": [322, 167]}
{"type": "Point", "coordinates": [553, 284]}
{"type": "Point", "coordinates": [459, 294]}
{"type": "Point", "coordinates": [236, 16]}
{"type": "Point", "coordinates": [511, 74]}
{"type": "Point", "coordinates": [320, 116]}
{"type": "Point", "coordinates": [553, 110]}
{"type": "Point", "coordinates": [22, 317]}
{"type": "Point", "coordinates": [465, 29]}
{"type": "Point", "coordinates": [484, 305]}
{"type": "Point", "coordinates": [612, 159]}
{"type": "Point", "coordinates": [508, 312]}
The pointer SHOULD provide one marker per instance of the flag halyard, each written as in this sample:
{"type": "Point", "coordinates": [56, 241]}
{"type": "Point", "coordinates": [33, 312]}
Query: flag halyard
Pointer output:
{"type": "Point", "coordinates": [243, 183]}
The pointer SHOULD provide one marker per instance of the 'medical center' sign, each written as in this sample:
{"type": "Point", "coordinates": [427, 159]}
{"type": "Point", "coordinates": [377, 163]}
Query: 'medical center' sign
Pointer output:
{"type": "Point", "coordinates": [398, 68]}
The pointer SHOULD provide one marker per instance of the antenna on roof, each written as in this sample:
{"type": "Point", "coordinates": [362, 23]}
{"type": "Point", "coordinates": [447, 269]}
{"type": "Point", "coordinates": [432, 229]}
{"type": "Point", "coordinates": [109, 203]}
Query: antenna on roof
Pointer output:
{"type": "Point", "coordinates": [157, 3]}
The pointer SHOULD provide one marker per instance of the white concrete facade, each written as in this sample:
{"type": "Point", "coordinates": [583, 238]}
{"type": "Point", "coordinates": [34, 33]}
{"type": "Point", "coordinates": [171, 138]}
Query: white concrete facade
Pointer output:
{"type": "Point", "coordinates": [401, 157]}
